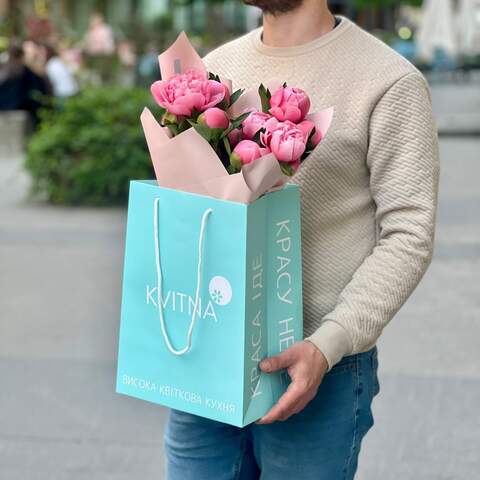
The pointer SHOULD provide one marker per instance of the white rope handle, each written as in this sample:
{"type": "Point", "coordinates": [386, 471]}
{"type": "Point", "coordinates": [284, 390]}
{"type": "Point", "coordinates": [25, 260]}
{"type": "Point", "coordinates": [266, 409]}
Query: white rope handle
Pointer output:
{"type": "Point", "coordinates": [159, 281]}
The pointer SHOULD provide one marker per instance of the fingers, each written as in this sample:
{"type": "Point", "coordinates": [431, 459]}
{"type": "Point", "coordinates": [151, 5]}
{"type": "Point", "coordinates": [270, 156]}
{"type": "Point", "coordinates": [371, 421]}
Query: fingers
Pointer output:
{"type": "Point", "coordinates": [292, 401]}
{"type": "Point", "coordinates": [278, 362]}
{"type": "Point", "coordinates": [306, 374]}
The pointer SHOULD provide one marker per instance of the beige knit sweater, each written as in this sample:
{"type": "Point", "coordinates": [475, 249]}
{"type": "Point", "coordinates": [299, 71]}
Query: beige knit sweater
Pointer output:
{"type": "Point", "coordinates": [369, 190]}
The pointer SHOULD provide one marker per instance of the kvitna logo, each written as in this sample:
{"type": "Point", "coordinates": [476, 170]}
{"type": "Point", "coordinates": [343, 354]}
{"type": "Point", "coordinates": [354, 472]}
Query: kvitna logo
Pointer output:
{"type": "Point", "coordinates": [219, 289]}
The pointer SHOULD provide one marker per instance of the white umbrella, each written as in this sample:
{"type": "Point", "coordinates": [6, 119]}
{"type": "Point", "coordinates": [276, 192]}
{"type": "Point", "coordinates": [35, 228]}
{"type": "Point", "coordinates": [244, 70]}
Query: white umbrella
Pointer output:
{"type": "Point", "coordinates": [436, 29]}
{"type": "Point", "coordinates": [468, 25]}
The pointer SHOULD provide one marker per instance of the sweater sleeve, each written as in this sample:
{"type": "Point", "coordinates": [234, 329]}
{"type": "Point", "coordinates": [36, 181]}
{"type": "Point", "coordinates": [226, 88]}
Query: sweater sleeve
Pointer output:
{"type": "Point", "coordinates": [404, 169]}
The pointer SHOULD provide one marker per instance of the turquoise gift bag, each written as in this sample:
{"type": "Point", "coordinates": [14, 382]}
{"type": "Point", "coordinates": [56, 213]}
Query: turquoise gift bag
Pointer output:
{"type": "Point", "coordinates": [210, 288]}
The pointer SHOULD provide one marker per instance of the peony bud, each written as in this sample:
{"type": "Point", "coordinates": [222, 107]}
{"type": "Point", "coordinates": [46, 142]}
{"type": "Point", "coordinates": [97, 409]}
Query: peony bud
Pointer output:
{"type": "Point", "coordinates": [214, 117]}
{"type": "Point", "coordinates": [246, 152]}
{"type": "Point", "coordinates": [169, 118]}
{"type": "Point", "coordinates": [235, 136]}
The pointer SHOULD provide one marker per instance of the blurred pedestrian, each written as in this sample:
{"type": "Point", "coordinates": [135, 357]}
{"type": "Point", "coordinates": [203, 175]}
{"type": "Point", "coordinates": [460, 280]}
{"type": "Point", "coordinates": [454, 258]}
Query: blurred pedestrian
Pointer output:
{"type": "Point", "coordinates": [20, 87]}
{"type": "Point", "coordinates": [99, 38]}
{"type": "Point", "coordinates": [100, 52]}
{"type": "Point", "coordinates": [148, 67]}
{"type": "Point", "coordinates": [61, 77]}
{"type": "Point", "coordinates": [34, 57]}
{"type": "Point", "coordinates": [128, 61]}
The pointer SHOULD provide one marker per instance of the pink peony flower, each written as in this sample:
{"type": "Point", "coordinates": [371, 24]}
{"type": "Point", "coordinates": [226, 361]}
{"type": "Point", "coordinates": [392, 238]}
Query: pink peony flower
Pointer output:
{"type": "Point", "coordinates": [307, 126]}
{"type": "Point", "coordinates": [289, 103]}
{"type": "Point", "coordinates": [270, 125]}
{"type": "Point", "coordinates": [235, 136]}
{"type": "Point", "coordinates": [253, 123]}
{"type": "Point", "coordinates": [287, 142]}
{"type": "Point", "coordinates": [184, 92]}
{"type": "Point", "coordinates": [264, 151]}
{"type": "Point", "coordinates": [214, 117]}
{"type": "Point", "coordinates": [246, 152]}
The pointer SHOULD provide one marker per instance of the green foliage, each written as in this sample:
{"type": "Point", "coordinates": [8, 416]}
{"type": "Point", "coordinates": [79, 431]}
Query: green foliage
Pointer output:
{"type": "Point", "coordinates": [235, 123]}
{"type": "Point", "coordinates": [235, 96]}
{"type": "Point", "coordinates": [265, 96]}
{"type": "Point", "coordinates": [88, 148]}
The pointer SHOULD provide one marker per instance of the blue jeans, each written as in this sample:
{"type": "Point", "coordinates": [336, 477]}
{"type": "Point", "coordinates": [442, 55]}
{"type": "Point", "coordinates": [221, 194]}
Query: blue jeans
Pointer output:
{"type": "Point", "coordinates": [322, 442]}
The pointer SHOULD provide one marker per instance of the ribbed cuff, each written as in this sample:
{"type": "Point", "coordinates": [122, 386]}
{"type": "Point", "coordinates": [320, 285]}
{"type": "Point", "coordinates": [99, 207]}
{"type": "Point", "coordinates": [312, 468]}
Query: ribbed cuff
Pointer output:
{"type": "Point", "coordinates": [332, 340]}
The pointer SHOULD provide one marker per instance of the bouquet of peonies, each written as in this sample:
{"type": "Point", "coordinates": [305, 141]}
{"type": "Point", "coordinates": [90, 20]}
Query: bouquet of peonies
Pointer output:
{"type": "Point", "coordinates": [215, 152]}
{"type": "Point", "coordinates": [280, 127]}
{"type": "Point", "coordinates": [242, 128]}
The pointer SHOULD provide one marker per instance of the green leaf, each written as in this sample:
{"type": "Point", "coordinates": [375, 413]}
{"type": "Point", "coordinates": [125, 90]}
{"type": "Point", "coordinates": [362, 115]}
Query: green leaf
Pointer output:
{"type": "Point", "coordinates": [227, 145]}
{"type": "Point", "coordinates": [161, 112]}
{"type": "Point", "coordinates": [309, 141]}
{"type": "Point", "coordinates": [204, 131]}
{"type": "Point", "coordinates": [173, 128]}
{"type": "Point", "coordinates": [264, 97]}
{"type": "Point", "coordinates": [184, 125]}
{"type": "Point", "coordinates": [223, 105]}
{"type": "Point", "coordinates": [226, 132]}
{"type": "Point", "coordinates": [235, 162]}
{"type": "Point", "coordinates": [231, 169]}
{"type": "Point", "coordinates": [169, 118]}
{"type": "Point", "coordinates": [235, 96]}
{"type": "Point", "coordinates": [216, 134]}
{"type": "Point", "coordinates": [256, 137]}
{"type": "Point", "coordinates": [195, 113]}
{"type": "Point", "coordinates": [236, 122]}
{"type": "Point", "coordinates": [213, 76]}
{"type": "Point", "coordinates": [287, 168]}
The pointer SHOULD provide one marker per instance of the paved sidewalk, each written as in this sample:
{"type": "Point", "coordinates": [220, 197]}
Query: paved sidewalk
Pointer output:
{"type": "Point", "coordinates": [457, 108]}
{"type": "Point", "coordinates": [60, 277]}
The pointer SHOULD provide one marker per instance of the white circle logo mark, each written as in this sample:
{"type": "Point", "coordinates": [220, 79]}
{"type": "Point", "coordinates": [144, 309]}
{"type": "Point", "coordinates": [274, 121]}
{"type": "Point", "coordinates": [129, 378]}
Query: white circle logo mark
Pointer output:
{"type": "Point", "coordinates": [220, 290]}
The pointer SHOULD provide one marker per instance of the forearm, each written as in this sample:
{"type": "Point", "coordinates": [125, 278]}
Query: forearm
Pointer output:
{"type": "Point", "coordinates": [403, 163]}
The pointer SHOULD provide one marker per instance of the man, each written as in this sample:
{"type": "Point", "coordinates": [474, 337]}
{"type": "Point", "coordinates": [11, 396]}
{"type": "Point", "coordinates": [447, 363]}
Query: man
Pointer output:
{"type": "Point", "coordinates": [369, 195]}
{"type": "Point", "coordinates": [99, 38]}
